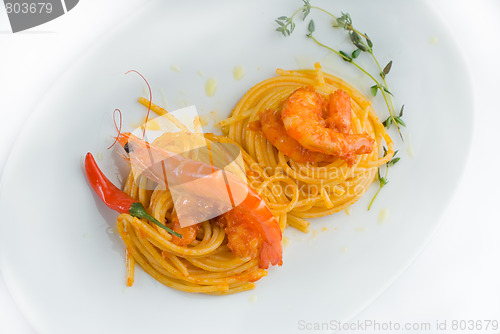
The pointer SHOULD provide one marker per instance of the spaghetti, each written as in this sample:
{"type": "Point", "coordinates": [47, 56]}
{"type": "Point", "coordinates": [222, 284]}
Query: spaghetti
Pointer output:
{"type": "Point", "coordinates": [293, 191]}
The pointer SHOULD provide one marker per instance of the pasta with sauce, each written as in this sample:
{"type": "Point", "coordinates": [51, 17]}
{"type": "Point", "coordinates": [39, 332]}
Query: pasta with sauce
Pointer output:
{"type": "Point", "coordinates": [221, 255]}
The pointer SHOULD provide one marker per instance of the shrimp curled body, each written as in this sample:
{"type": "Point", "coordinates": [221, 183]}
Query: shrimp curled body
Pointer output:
{"type": "Point", "coordinates": [274, 130]}
{"type": "Point", "coordinates": [303, 116]}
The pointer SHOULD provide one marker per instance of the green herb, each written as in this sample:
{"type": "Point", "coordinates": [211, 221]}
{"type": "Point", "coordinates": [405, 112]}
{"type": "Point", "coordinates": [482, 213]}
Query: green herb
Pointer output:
{"type": "Point", "coordinates": [286, 24]}
{"type": "Point", "coordinates": [384, 180]}
{"type": "Point", "coordinates": [392, 162]}
{"type": "Point", "coordinates": [137, 210]}
{"type": "Point", "coordinates": [311, 27]}
{"type": "Point", "coordinates": [398, 119]}
{"type": "Point", "coordinates": [363, 44]}
{"type": "Point", "coordinates": [356, 53]}
{"type": "Point", "coordinates": [345, 56]}
{"type": "Point", "coordinates": [386, 70]}
{"type": "Point", "coordinates": [386, 90]}
{"type": "Point", "coordinates": [388, 122]}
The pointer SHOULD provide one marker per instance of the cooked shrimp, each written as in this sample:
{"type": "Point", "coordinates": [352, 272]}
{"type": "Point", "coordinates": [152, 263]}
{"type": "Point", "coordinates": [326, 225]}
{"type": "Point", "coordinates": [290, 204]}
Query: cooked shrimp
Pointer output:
{"type": "Point", "coordinates": [273, 129]}
{"type": "Point", "coordinates": [338, 116]}
{"type": "Point", "coordinates": [302, 116]}
{"type": "Point", "coordinates": [257, 214]}
{"type": "Point", "coordinates": [242, 238]}
{"type": "Point", "coordinates": [188, 233]}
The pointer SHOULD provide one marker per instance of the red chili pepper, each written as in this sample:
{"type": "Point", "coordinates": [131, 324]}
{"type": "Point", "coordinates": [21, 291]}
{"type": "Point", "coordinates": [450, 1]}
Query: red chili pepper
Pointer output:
{"type": "Point", "coordinates": [114, 198]}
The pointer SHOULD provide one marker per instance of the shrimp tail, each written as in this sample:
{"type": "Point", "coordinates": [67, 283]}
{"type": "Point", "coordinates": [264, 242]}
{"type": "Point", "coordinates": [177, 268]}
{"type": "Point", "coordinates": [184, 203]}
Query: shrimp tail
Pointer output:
{"type": "Point", "coordinates": [258, 215]}
{"type": "Point", "coordinates": [271, 253]}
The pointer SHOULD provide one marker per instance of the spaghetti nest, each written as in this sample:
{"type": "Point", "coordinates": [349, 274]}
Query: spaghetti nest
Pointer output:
{"type": "Point", "coordinates": [305, 190]}
{"type": "Point", "coordinates": [205, 265]}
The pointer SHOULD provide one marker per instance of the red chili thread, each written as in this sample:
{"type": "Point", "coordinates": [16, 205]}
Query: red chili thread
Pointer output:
{"type": "Point", "coordinates": [150, 99]}
{"type": "Point", "coordinates": [119, 129]}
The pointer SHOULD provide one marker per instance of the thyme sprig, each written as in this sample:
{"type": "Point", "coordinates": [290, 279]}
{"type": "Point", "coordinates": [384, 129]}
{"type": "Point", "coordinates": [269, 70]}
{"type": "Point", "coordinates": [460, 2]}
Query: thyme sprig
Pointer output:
{"type": "Point", "coordinates": [362, 43]}
{"type": "Point", "coordinates": [383, 180]}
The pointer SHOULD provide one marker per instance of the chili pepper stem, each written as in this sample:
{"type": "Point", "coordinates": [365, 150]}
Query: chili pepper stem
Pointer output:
{"type": "Point", "coordinates": [138, 211]}
{"type": "Point", "coordinates": [114, 198]}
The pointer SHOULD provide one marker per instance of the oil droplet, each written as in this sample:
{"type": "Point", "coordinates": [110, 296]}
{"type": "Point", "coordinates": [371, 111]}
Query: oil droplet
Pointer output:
{"type": "Point", "coordinates": [409, 146]}
{"type": "Point", "coordinates": [211, 86]}
{"type": "Point", "coordinates": [164, 99]}
{"type": "Point", "coordinates": [344, 249]}
{"type": "Point", "coordinates": [382, 216]}
{"type": "Point", "coordinates": [324, 229]}
{"type": "Point", "coordinates": [252, 299]}
{"type": "Point", "coordinates": [433, 40]}
{"type": "Point", "coordinates": [175, 68]}
{"type": "Point", "coordinates": [360, 229]}
{"type": "Point", "coordinates": [347, 210]}
{"type": "Point", "coordinates": [314, 234]}
{"type": "Point", "coordinates": [201, 74]}
{"type": "Point", "coordinates": [98, 156]}
{"type": "Point", "coordinates": [285, 241]}
{"type": "Point", "coordinates": [238, 72]}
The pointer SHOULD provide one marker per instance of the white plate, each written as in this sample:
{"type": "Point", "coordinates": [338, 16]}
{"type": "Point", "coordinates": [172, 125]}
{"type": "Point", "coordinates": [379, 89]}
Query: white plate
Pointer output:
{"type": "Point", "coordinates": [58, 254]}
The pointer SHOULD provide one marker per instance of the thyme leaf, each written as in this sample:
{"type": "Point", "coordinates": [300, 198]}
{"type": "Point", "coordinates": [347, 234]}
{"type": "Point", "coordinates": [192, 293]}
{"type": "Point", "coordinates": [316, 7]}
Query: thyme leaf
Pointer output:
{"type": "Point", "coordinates": [386, 69]}
{"type": "Point", "coordinates": [311, 27]}
{"type": "Point", "coordinates": [356, 53]}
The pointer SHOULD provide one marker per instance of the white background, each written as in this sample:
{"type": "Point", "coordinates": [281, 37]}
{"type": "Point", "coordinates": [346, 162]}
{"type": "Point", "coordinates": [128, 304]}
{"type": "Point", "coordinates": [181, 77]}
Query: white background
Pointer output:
{"type": "Point", "coordinates": [457, 277]}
